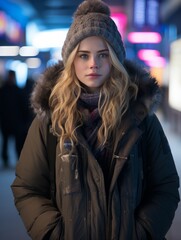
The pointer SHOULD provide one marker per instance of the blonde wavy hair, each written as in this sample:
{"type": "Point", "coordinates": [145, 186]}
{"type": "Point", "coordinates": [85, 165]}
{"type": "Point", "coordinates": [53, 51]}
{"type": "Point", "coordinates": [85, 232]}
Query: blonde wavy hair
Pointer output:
{"type": "Point", "coordinates": [115, 95]}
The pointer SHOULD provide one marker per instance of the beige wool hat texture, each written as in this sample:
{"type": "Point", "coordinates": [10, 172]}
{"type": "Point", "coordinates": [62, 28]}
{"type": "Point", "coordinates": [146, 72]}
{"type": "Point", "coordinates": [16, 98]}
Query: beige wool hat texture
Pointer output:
{"type": "Point", "coordinates": [92, 18]}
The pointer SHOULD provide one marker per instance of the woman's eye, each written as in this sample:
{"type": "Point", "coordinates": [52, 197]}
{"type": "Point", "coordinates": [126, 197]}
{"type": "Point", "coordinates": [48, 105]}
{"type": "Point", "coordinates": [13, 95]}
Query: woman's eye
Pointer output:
{"type": "Point", "coordinates": [103, 55]}
{"type": "Point", "coordinates": [83, 56]}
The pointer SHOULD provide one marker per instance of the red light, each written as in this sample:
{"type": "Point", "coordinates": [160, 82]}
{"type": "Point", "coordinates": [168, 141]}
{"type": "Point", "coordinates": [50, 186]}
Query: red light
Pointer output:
{"type": "Point", "coordinates": [2, 22]}
{"type": "Point", "coordinates": [120, 20]}
{"type": "Point", "coordinates": [144, 37]}
{"type": "Point", "coordinates": [147, 54]}
{"type": "Point", "coordinates": [156, 62]}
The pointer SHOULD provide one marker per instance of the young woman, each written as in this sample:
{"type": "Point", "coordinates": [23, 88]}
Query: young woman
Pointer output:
{"type": "Point", "coordinates": [114, 172]}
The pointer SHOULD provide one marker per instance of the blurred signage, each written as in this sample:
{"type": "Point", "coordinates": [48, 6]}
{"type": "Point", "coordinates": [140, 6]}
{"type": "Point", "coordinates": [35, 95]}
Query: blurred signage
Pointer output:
{"type": "Point", "coordinates": [175, 75]}
{"type": "Point", "coordinates": [144, 37]}
{"type": "Point", "coordinates": [10, 30]}
{"type": "Point", "coordinates": [146, 13]}
{"type": "Point", "coordinates": [120, 20]}
{"type": "Point", "coordinates": [152, 13]}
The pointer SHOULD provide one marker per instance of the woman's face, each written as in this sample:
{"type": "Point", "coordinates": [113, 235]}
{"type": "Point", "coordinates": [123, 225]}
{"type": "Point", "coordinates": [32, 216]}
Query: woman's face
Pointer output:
{"type": "Point", "coordinates": [92, 63]}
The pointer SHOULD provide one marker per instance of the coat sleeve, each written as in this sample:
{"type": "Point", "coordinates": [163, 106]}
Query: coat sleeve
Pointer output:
{"type": "Point", "coordinates": [161, 197]}
{"type": "Point", "coordinates": [31, 187]}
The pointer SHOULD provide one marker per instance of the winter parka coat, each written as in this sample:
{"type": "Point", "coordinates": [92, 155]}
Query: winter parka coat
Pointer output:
{"type": "Point", "coordinates": [143, 194]}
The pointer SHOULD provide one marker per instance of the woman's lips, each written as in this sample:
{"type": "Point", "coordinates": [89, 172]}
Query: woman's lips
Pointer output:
{"type": "Point", "coordinates": [93, 75]}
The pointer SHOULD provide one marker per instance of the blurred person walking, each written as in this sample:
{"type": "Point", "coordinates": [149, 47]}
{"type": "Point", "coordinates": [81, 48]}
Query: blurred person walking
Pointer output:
{"type": "Point", "coordinates": [12, 115]}
{"type": "Point", "coordinates": [29, 113]}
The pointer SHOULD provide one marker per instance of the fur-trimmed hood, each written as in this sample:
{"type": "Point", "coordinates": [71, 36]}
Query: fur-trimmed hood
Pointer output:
{"type": "Point", "coordinates": [149, 93]}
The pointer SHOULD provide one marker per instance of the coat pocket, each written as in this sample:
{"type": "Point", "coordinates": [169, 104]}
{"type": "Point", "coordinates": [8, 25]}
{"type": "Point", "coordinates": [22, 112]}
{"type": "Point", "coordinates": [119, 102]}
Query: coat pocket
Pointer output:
{"type": "Point", "coordinates": [70, 174]}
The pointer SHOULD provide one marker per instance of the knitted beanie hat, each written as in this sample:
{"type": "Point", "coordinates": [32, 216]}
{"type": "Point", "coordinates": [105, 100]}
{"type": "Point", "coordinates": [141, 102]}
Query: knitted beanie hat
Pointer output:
{"type": "Point", "coordinates": [92, 18]}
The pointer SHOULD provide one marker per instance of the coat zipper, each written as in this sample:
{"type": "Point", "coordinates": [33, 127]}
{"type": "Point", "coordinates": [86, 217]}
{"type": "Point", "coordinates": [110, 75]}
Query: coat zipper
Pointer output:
{"type": "Point", "coordinates": [87, 218]}
{"type": "Point", "coordinates": [88, 205]}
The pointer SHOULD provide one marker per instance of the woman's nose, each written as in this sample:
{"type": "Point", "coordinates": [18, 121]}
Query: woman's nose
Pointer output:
{"type": "Point", "coordinates": [94, 63]}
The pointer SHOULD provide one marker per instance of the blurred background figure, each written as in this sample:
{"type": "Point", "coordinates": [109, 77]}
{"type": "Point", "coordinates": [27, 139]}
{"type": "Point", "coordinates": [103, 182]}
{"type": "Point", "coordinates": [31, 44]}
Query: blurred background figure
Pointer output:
{"type": "Point", "coordinates": [12, 115]}
{"type": "Point", "coordinates": [29, 114]}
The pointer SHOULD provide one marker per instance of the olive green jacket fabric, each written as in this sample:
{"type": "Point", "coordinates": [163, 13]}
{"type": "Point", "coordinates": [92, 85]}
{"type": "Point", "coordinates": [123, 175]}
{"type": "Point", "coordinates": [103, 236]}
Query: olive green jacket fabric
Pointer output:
{"type": "Point", "coordinates": [143, 194]}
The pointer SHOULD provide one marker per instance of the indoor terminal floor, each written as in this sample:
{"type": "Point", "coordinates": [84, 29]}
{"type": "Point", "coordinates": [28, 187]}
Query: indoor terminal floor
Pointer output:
{"type": "Point", "coordinates": [12, 228]}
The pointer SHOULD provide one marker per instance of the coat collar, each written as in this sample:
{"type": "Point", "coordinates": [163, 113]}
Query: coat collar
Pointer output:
{"type": "Point", "coordinates": [147, 100]}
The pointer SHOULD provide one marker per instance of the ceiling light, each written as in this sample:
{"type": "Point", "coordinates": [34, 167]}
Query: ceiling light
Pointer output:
{"type": "Point", "coordinates": [33, 62]}
{"type": "Point", "coordinates": [28, 51]}
{"type": "Point", "coordinates": [50, 39]}
{"type": "Point", "coordinates": [9, 51]}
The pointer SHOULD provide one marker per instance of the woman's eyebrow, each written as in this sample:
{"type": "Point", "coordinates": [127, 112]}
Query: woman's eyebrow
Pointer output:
{"type": "Point", "coordinates": [86, 51]}
{"type": "Point", "coordinates": [104, 50]}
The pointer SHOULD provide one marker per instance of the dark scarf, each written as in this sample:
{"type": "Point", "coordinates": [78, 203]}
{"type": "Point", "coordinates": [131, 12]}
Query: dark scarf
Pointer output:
{"type": "Point", "coordinates": [88, 105]}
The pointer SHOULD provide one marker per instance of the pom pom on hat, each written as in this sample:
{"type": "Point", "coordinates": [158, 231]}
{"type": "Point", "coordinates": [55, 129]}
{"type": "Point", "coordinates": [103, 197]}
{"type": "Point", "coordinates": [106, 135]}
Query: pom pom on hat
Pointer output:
{"type": "Point", "coordinates": [94, 6]}
{"type": "Point", "coordinates": [92, 18]}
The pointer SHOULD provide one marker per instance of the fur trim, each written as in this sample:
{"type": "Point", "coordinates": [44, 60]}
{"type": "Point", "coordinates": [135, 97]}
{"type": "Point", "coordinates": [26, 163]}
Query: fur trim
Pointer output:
{"type": "Point", "coordinates": [42, 89]}
{"type": "Point", "coordinates": [149, 94]}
